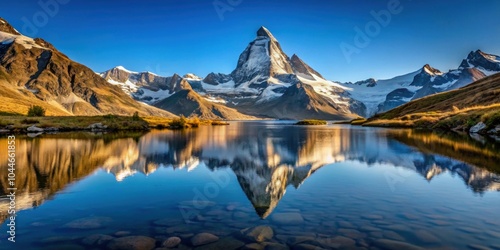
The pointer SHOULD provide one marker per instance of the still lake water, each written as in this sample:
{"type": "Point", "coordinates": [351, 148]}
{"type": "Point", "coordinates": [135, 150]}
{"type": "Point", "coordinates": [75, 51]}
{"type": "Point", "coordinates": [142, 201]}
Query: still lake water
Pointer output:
{"type": "Point", "coordinates": [316, 187]}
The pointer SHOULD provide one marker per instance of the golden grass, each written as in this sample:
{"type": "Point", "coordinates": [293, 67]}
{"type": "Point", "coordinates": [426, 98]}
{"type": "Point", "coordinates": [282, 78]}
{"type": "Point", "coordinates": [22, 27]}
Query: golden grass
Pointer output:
{"type": "Point", "coordinates": [75, 122]}
{"type": "Point", "coordinates": [465, 118]}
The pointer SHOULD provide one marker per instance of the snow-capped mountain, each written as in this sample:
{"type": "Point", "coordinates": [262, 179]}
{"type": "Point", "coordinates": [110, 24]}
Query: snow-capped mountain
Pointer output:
{"type": "Point", "coordinates": [262, 77]}
{"type": "Point", "coordinates": [268, 83]}
{"type": "Point", "coordinates": [144, 86]}
{"type": "Point", "coordinates": [382, 95]}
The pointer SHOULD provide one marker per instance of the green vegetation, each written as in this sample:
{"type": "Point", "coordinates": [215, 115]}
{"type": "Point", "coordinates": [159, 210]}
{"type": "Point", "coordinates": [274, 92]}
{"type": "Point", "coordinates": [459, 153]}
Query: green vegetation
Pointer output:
{"type": "Point", "coordinates": [29, 121]}
{"type": "Point", "coordinates": [136, 116]}
{"type": "Point", "coordinates": [183, 122]}
{"type": "Point", "coordinates": [73, 123]}
{"type": "Point", "coordinates": [36, 111]}
{"type": "Point", "coordinates": [311, 122]}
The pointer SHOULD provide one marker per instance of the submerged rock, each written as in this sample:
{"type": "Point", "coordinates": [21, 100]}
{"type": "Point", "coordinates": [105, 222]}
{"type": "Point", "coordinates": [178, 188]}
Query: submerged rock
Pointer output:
{"type": "Point", "coordinates": [172, 242]}
{"type": "Point", "coordinates": [97, 240]}
{"type": "Point", "coordinates": [132, 243]}
{"type": "Point", "coordinates": [395, 245]}
{"type": "Point", "coordinates": [203, 239]}
{"type": "Point", "coordinates": [228, 243]}
{"type": "Point", "coordinates": [88, 223]}
{"type": "Point", "coordinates": [259, 233]}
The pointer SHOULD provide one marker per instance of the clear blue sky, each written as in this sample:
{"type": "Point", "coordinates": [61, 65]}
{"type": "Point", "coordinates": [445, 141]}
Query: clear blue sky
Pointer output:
{"type": "Point", "coordinates": [169, 36]}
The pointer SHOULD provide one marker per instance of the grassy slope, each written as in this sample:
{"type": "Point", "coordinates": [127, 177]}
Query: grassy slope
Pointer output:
{"type": "Point", "coordinates": [460, 109]}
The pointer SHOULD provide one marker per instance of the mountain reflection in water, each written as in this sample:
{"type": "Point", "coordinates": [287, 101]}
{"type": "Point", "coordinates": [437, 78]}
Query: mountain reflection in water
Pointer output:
{"type": "Point", "coordinates": [265, 157]}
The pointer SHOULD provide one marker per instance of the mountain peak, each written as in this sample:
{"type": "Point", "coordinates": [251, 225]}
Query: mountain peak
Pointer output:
{"type": "Point", "coordinates": [263, 31]}
{"type": "Point", "coordinates": [301, 68]}
{"type": "Point", "coordinates": [430, 70]}
{"type": "Point", "coordinates": [6, 27]}
{"type": "Point", "coordinates": [480, 59]}
{"type": "Point", "coordinates": [121, 68]}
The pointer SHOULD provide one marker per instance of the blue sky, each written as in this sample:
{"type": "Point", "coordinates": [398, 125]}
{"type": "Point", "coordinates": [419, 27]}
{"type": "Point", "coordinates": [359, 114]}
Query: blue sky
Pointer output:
{"type": "Point", "coordinates": [169, 36]}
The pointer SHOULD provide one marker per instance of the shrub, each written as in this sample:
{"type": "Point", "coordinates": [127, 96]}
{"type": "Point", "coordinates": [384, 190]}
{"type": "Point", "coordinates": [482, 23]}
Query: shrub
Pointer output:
{"type": "Point", "coordinates": [491, 119]}
{"type": "Point", "coordinates": [311, 122]}
{"type": "Point", "coordinates": [110, 116]}
{"type": "Point", "coordinates": [136, 116]}
{"type": "Point", "coordinates": [194, 122]}
{"type": "Point", "coordinates": [180, 122]}
{"type": "Point", "coordinates": [36, 111]}
{"type": "Point", "coordinates": [29, 121]}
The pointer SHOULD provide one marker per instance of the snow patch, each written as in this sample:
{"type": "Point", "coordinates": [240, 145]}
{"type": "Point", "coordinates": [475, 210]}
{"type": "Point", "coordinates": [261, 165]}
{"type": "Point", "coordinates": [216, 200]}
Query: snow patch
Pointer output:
{"type": "Point", "coordinates": [215, 99]}
{"type": "Point", "coordinates": [126, 70]}
{"type": "Point", "coordinates": [373, 96]}
{"type": "Point", "coordinates": [27, 42]}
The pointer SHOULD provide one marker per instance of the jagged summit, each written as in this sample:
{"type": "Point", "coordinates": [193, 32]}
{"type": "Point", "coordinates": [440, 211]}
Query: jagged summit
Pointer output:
{"type": "Point", "coordinates": [263, 31]}
{"type": "Point", "coordinates": [263, 58]}
{"type": "Point", "coordinates": [6, 27]}
{"type": "Point", "coordinates": [478, 58]}
{"type": "Point", "coordinates": [430, 70]}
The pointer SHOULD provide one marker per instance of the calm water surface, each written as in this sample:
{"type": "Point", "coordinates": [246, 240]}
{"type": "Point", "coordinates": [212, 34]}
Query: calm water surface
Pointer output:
{"type": "Point", "coordinates": [322, 187]}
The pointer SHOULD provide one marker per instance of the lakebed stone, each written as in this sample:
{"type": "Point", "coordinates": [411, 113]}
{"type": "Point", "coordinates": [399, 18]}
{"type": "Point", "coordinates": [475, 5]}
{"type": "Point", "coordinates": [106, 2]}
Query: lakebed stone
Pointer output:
{"type": "Point", "coordinates": [203, 239]}
{"type": "Point", "coordinates": [132, 243]}
{"type": "Point", "coordinates": [97, 240]}
{"type": "Point", "coordinates": [258, 233]}
{"type": "Point", "coordinates": [395, 245]}
{"type": "Point", "coordinates": [171, 242]}
{"type": "Point", "coordinates": [228, 243]}
{"type": "Point", "coordinates": [88, 223]}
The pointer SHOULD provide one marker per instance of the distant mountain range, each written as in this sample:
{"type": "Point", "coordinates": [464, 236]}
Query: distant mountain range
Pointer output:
{"type": "Point", "coordinates": [383, 95]}
{"type": "Point", "coordinates": [266, 83]}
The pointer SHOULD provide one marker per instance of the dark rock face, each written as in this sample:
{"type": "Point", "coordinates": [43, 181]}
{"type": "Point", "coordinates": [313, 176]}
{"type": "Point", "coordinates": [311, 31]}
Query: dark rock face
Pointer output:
{"type": "Point", "coordinates": [480, 59]}
{"type": "Point", "coordinates": [370, 82]}
{"type": "Point", "coordinates": [300, 67]}
{"type": "Point", "coordinates": [217, 78]}
{"type": "Point", "coordinates": [396, 98]}
{"type": "Point", "coordinates": [300, 101]}
{"type": "Point", "coordinates": [425, 76]}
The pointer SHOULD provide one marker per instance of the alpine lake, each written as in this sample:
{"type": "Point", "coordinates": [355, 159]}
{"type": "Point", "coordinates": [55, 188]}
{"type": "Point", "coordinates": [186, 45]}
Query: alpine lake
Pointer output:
{"type": "Point", "coordinates": [254, 185]}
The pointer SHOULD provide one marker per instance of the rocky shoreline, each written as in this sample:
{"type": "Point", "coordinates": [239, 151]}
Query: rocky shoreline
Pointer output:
{"type": "Point", "coordinates": [232, 226]}
{"type": "Point", "coordinates": [34, 130]}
